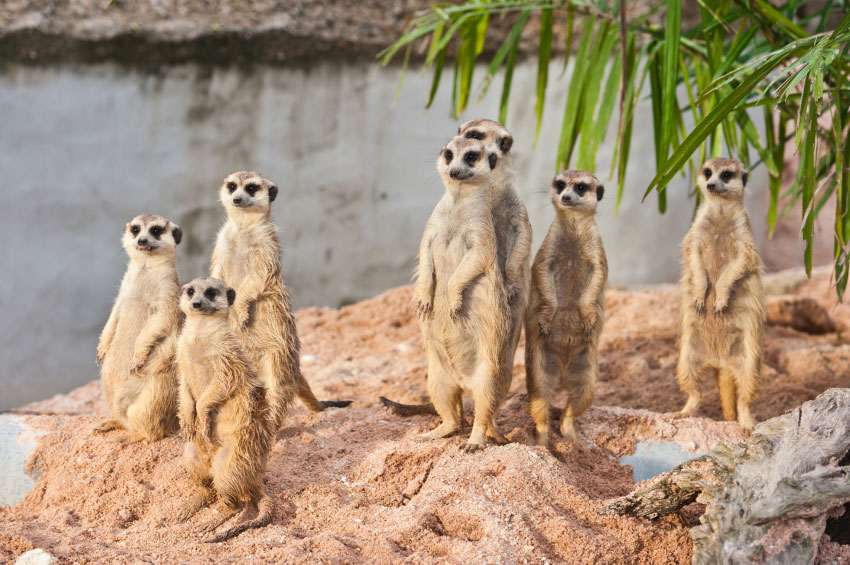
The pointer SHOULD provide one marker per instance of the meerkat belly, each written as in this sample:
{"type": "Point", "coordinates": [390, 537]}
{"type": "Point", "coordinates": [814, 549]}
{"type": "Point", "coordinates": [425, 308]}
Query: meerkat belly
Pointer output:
{"type": "Point", "coordinates": [135, 311]}
{"type": "Point", "coordinates": [570, 271]}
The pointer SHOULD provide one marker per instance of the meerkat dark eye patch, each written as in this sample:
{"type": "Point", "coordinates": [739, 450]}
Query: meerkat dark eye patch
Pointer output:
{"type": "Point", "coordinates": [231, 186]}
{"type": "Point", "coordinates": [471, 157]}
{"type": "Point", "coordinates": [493, 160]}
{"type": "Point", "coordinates": [474, 134]}
{"type": "Point", "coordinates": [448, 156]}
{"type": "Point", "coordinates": [251, 188]}
{"type": "Point", "coordinates": [156, 231]}
{"type": "Point", "coordinates": [190, 292]}
{"type": "Point", "coordinates": [727, 176]}
{"type": "Point", "coordinates": [135, 230]}
{"type": "Point", "coordinates": [706, 173]}
{"type": "Point", "coordinates": [581, 188]}
{"type": "Point", "coordinates": [210, 293]}
{"type": "Point", "coordinates": [231, 296]}
{"type": "Point", "coordinates": [560, 186]}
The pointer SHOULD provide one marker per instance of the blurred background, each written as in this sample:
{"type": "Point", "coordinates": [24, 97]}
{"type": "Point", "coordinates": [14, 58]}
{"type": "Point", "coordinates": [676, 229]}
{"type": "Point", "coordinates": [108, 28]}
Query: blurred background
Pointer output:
{"type": "Point", "coordinates": [144, 107]}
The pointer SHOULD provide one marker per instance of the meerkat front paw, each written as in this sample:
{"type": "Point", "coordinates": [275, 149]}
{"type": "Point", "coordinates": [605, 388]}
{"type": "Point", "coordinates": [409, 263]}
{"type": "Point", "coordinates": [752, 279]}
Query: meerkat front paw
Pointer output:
{"type": "Point", "coordinates": [544, 326]}
{"type": "Point", "coordinates": [512, 293]}
{"type": "Point", "coordinates": [456, 308]}
{"type": "Point", "coordinates": [139, 361]}
{"type": "Point", "coordinates": [242, 318]}
{"type": "Point", "coordinates": [699, 306]}
{"type": "Point", "coordinates": [423, 305]}
{"type": "Point", "coordinates": [99, 356]}
{"type": "Point", "coordinates": [588, 323]}
{"type": "Point", "coordinates": [720, 306]}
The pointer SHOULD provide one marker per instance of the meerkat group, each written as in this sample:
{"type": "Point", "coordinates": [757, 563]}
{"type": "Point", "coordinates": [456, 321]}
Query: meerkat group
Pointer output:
{"type": "Point", "coordinates": [220, 358]}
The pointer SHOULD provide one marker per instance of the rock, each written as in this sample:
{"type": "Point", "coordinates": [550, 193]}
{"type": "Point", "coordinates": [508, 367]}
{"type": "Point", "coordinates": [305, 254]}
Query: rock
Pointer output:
{"type": "Point", "coordinates": [36, 557]}
{"type": "Point", "coordinates": [126, 515]}
{"type": "Point", "coordinates": [801, 313]}
{"type": "Point", "coordinates": [17, 441]}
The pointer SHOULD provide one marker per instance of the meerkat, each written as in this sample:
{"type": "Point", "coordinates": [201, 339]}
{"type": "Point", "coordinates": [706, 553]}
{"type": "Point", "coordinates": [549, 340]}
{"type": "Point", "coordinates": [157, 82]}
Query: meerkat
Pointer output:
{"type": "Point", "coordinates": [461, 297]}
{"type": "Point", "coordinates": [223, 412]}
{"type": "Point", "coordinates": [567, 305]}
{"type": "Point", "coordinates": [137, 345]}
{"type": "Point", "coordinates": [247, 257]}
{"type": "Point", "coordinates": [722, 308]}
{"type": "Point", "coordinates": [513, 239]}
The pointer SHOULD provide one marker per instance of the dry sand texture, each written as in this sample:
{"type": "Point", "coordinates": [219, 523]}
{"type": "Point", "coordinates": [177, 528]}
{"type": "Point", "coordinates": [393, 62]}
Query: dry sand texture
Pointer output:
{"type": "Point", "coordinates": [352, 486]}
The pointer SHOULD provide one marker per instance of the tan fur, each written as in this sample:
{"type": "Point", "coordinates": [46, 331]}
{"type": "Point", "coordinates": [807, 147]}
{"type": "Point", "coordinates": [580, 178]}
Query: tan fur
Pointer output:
{"type": "Point", "coordinates": [461, 296]}
{"type": "Point", "coordinates": [136, 347]}
{"type": "Point", "coordinates": [722, 299]}
{"type": "Point", "coordinates": [567, 305]}
{"type": "Point", "coordinates": [223, 411]}
{"type": "Point", "coordinates": [247, 257]}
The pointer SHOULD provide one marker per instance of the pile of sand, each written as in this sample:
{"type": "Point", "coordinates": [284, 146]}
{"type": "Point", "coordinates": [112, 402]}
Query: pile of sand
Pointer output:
{"type": "Point", "coordinates": [351, 485]}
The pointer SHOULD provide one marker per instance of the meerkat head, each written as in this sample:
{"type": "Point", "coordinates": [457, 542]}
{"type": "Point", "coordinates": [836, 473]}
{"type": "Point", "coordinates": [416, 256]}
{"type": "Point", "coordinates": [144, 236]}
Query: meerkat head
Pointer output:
{"type": "Point", "coordinates": [206, 296]}
{"type": "Point", "coordinates": [493, 134]}
{"type": "Point", "coordinates": [465, 161]}
{"type": "Point", "coordinates": [576, 191]}
{"type": "Point", "coordinates": [247, 192]}
{"type": "Point", "coordinates": [147, 235]}
{"type": "Point", "coordinates": [722, 178]}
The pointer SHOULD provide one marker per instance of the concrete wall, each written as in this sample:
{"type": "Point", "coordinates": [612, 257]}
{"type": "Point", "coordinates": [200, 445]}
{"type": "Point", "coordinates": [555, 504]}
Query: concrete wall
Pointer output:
{"type": "Point", "coordinates": [85, 148]}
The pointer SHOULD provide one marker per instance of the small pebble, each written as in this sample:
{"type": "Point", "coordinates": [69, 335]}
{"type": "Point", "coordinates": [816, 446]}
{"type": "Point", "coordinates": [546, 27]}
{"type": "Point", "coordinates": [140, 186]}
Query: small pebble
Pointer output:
{"type": "Point", "coordinates": [126, 515]}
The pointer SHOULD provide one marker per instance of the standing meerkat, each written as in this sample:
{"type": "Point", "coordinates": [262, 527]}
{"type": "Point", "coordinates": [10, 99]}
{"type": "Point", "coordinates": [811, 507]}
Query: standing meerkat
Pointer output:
{"type": "Point", "coordinates": [722, 310]}
{"type": "Point", "coordinates": [461, 298]}
{"type": "Point", "coordinates": [223, 412]}
{"type": "Point", "coordinates": [247, 257]}
{"type": "Point", "coordinates": [136, 347]}
{"type": "Point", "coordinates": [567, 306]}
{"type": "Point", "coordinates": [513, 238]}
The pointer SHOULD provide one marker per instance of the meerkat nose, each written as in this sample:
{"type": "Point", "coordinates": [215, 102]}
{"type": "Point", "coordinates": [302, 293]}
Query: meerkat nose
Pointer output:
{"type": "Point", "coordinates": [455, 173]}
{"type": "Point", "coordinates": [196, 305]}
{"type": "Point", "coordinates": [566, 198]}
{"type": "Point", "coordinates": [143, 241]}
{"type": "Point", "coordinates": [237, 200]}
{"type": "Point", "coordinates": [711, 186]}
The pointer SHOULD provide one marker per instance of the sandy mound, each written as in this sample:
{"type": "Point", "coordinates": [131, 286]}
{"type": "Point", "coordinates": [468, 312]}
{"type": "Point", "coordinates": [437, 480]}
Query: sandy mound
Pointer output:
{"type": "Point", "coordinates": [352, 486]}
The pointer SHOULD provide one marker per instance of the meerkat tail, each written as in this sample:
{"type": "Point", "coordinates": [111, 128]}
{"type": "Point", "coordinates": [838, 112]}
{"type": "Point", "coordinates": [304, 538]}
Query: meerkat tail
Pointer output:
{"type": "Point", "coordinates": [264, 517]}
{"type": "Point", "coordinates": [305, 393]}
{"type": "Point", "coordinates": [405, 410]}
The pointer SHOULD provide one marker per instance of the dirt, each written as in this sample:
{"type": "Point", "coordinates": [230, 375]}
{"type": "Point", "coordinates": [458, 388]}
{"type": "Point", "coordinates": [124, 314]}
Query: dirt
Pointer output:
{"type": "Point", "coordinates": [351, 485]}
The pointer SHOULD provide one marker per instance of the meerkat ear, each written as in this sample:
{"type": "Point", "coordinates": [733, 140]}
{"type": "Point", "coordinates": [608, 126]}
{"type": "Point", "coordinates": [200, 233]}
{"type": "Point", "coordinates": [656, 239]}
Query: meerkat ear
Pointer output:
{"type": "Point", "coordinates": [744, 177]}
{"type": "Point", "coordinates": [231, 296]}
{"type": "Point", "coordinates": [176, 233]}
{"type": "Point", "coordinates": [506, 143]}
{"type": "Point", "coordinates": [272, 193]}
{"type": "Point", "coordinates": [600, 190]}
{"type": "Point", "coordinates": [493, 159]}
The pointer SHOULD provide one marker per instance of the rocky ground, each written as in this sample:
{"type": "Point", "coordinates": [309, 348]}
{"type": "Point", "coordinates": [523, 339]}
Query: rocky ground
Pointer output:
{"type": "Point", "coordinates": [351, 485]}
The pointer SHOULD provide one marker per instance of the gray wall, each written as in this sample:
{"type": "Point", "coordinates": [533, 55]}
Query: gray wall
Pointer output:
{"type": "Point", "coordinates": [85, 148]}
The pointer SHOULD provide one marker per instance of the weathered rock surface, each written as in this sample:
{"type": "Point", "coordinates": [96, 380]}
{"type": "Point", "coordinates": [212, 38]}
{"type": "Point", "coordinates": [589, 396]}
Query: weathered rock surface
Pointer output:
{"type": "Point", "coordinates": [352, 485]}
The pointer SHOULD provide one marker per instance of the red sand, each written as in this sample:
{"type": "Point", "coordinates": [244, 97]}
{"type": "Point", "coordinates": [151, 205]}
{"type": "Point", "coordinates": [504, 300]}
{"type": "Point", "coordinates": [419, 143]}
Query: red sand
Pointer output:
{"type": "Point", "coordinates": [351, 485]}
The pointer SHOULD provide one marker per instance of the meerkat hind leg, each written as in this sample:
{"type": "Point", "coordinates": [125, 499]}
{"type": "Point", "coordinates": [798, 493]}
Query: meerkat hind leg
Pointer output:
{"type": "Point", "coordinates": [539, 403]}
{"type": "Point", "coordinates": [201, 499]}
{"type": "Point", "coordinates": [265, 514]}
{"type": "Point", "coordinates": [688, 375]}
{"type": "Point", "coordinates": [581, 384]}
{"type": "Point", "coordinates": [447, 400]}
{"type": "Point", "coordinates": [108, 426]}
{"type": "Point", "coordinates": [486, 405]}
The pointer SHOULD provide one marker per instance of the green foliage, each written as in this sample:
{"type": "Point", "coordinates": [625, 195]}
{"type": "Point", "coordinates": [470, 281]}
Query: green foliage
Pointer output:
{"type": "Point", "coordinates": [739, 55]}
